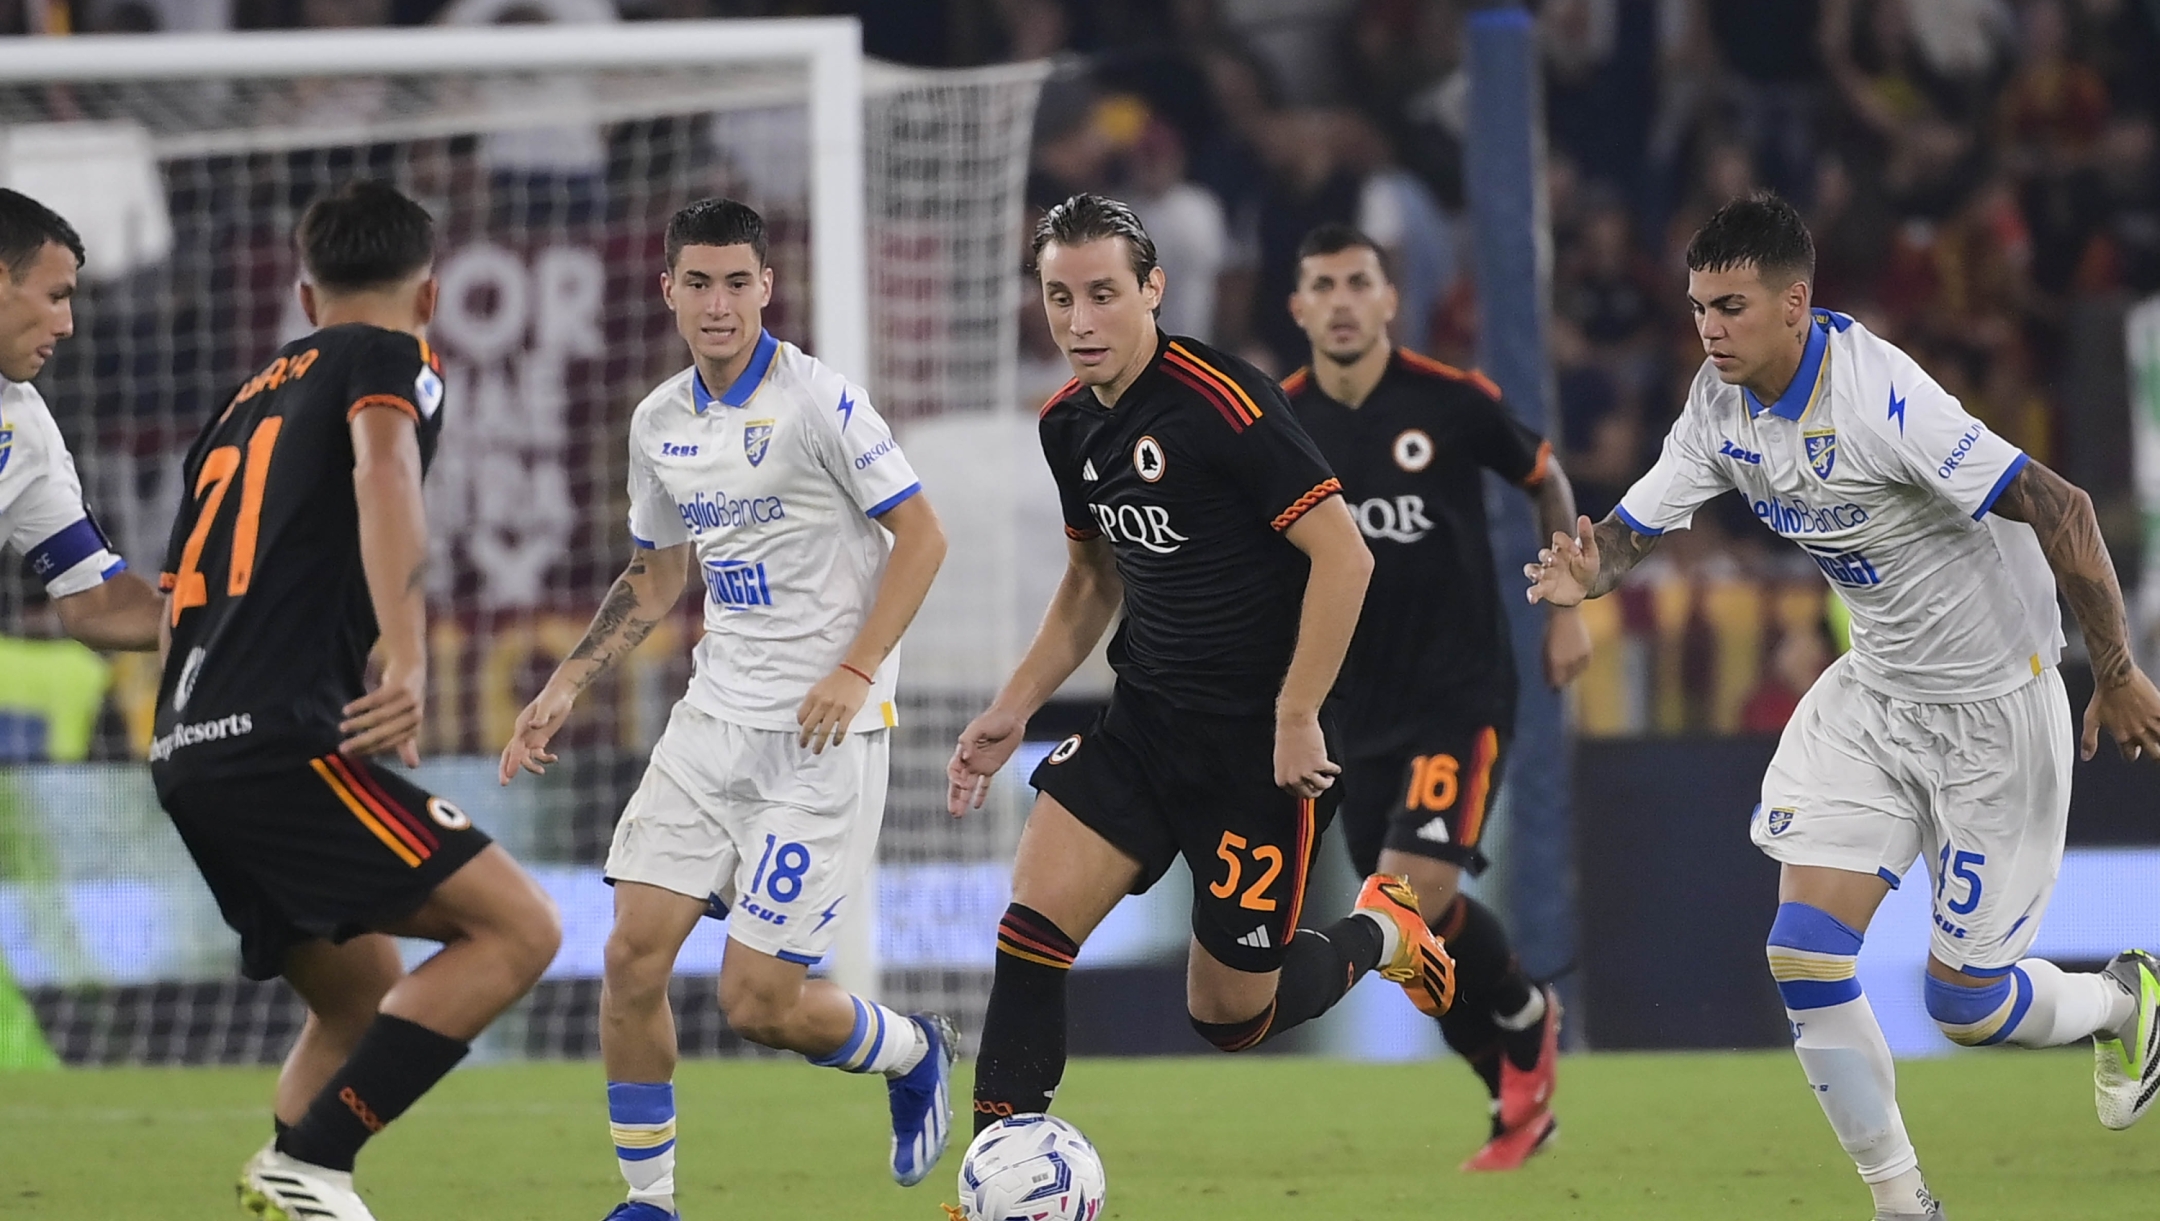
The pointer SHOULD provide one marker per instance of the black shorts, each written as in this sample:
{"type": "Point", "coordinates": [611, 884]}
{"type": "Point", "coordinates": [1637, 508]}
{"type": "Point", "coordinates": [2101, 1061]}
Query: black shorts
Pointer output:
{"type": "Point", "coordinates": [1158, 781]}
{"type": "Point", "coordinates": [325, 849]}
{"type": "Point", "coordinates": [1431, 801]}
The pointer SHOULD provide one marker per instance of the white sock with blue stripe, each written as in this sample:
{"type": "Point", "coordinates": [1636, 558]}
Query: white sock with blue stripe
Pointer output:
{"type": "Point", "coordinates": [1814, 957]}
{"type": "Point", "coordinates": [642, 1117]}
{"type": "Point", "coordinates": [882, 1042]}
{"type": "Point", "coordinates": [2033, 1004]}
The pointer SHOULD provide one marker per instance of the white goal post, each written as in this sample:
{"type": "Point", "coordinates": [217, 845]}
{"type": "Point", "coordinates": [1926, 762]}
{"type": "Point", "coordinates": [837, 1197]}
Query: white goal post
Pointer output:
{"type": "Point", "coordinates": [551, 156]}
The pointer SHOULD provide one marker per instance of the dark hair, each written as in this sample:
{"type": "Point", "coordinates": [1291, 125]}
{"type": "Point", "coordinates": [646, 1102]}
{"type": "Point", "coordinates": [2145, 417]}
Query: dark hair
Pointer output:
{"type": "Point", "coordinates": [25, 226]}
{"type": "Point", "coordinates": [365, 234]}
{"type": "Point", "coordinates": [1335, 237]}
{"type": "Point", "coordinates": [715, 222]}
{"type": "Point", "coordinates": [1094, 218]}
{"type": "Point", "coordinates": [1762, 231]}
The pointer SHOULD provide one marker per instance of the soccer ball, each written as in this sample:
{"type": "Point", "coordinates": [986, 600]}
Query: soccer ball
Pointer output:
{"type": "Point", "coordinates": [1031, 1168]}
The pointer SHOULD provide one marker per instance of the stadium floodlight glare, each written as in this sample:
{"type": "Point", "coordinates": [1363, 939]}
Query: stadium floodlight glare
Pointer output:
{"type": "Point", "coordinates": [551, 157]}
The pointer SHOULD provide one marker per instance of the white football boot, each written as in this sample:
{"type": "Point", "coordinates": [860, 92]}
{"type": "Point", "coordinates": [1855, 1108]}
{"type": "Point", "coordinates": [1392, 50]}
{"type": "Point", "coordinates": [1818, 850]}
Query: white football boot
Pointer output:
{"type": "Point", "coordinates": [275, 1187]}
{"type": "Point", "coordinates": [2126, 1064]}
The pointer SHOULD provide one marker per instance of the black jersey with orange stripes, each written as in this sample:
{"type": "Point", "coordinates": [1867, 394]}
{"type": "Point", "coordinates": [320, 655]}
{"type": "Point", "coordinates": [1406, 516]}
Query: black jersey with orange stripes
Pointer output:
{"type": "Point", "coordinates": [269, 609]}
{"type": "Point", "coordinates": [1432, 648]}
{"type": "Point", "coordinates": [1193, 477]}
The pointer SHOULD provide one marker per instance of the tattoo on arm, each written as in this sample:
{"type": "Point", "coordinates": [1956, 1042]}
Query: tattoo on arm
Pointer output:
{"type": "Point", "coordinates": [418, 579]}
{"type": "Point", "coordinates": [2062, 515]}
{"type": "Point", "coordinates": [1619, 549]}
{"type": "Point", "coordinates": [616, 628]}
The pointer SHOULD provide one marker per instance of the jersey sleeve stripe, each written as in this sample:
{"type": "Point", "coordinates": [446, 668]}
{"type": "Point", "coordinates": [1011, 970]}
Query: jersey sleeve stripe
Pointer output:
{"type": "Point", "coordinates": [1321, 491]}
{"type": "Point", "coordinates": [1296, 382]}
{"type": "Point", "coordinates": [887, 505]}
{"type": "Point", "coordinates": [1214, 397]}
{"type": "Point", "coordinates": [166, 581]}
{"type": "Point", "coordinates": [1059, 397]}
{"type": "Point", "coordinates": [1536, 477]}
{"type": "Point", "coordinates": [1995, 493]}
{"type": "Point", "coordinates": [1426, 364]}
{"type": "Point", "coordinates": [1621, 512]}
{"type": "Point", "coordinates": [393, 401]}
{"type": "Point", "coordinates": [344, 795]}
{"type": "Point", "coordinates": [1179, 352]}
{"type": "Point", "coordinates": [1081, 536]}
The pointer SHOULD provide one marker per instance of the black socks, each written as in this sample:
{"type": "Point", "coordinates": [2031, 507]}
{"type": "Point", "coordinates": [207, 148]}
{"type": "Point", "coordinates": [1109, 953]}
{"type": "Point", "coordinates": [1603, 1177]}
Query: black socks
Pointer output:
{"type": "Point", "coordinates": [1488, 982]}
{"type": "Point", "coordinates": [1320, 967]}
{"type": "Point", "coordinates": [1022, 1056]}
{"type": "Point", "coordinates": [395, 1063]}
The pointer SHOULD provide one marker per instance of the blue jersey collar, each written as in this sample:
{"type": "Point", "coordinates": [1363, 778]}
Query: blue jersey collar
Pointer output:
{"type": "Point", "coordinates": [745, 384]}
{"type": "Point", "coordinates": [1806, 383]}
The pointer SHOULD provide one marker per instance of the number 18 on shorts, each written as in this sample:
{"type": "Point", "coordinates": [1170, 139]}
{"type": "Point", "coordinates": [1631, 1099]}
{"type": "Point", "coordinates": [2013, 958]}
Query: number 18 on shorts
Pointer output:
{"type": "Point", "coordinates": [771, 835]}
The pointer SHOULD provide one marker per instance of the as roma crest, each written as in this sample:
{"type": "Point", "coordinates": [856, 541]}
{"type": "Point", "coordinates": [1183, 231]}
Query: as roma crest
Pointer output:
{"type": "Point", "coordinates": [756, 439]}
{"type": "Point", "coordinates": [1821, 451]}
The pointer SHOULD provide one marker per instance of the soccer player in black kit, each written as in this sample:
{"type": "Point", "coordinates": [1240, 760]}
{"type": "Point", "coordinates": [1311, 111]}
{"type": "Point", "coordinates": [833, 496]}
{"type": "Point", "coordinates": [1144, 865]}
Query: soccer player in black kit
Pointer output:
{"type": "Point", "coordinates": [1426, 701]}
{"type": "Point", "coordinates": [1194, 500]}
{"type": "Point", "coordinates": [301, 543]}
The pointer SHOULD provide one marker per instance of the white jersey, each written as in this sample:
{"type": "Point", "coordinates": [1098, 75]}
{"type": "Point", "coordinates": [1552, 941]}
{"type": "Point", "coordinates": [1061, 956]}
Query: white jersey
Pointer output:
{"type": "Point", "coordinates": [41, 502]}
{"type": "Point", "coordinates": [1881, 476]}
{"type": "Point", "coordinates": [778, 482]}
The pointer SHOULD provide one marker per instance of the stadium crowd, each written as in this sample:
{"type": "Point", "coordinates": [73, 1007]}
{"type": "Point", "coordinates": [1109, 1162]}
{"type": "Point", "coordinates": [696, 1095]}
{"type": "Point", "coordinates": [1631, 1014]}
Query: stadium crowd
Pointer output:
{"type": "Point", "coordinates": [1981, 177]}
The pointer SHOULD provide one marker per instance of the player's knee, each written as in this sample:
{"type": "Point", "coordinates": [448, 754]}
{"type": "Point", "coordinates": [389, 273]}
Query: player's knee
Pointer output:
{"type": "Point", "coordinates": [1976, 1016]}
{"type": "Point", "coordinates": [534, 934]}
{"type": "Point", "coordinates": [637, 964]}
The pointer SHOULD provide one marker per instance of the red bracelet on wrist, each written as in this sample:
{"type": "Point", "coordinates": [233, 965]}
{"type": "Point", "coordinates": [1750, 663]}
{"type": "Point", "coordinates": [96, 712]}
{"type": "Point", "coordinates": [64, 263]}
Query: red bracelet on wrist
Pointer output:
{"type": "Point", "coordinates": [858, 673]}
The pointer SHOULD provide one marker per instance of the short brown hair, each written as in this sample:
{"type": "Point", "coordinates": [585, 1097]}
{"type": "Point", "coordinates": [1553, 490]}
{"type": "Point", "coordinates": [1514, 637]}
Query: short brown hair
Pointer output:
{"type": "Point", "coordinates": [1092, 218]}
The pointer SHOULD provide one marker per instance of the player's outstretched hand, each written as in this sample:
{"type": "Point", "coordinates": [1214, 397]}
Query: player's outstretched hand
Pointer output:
{"type": "Point", "coordinates": [985, 745]}
{"type": "Point", "coordinates": [1564, 571]}
{"type": "Point", "coordinates": [2131, 712]}
{"type": "Point", "coordinates": [388, 718]}
{"type": "Point", "coordinates": [1302, 767]}
{"type": "Point", "coordinates": [536, 726]}
{"type": "Point", "coordinates": [830, 708]}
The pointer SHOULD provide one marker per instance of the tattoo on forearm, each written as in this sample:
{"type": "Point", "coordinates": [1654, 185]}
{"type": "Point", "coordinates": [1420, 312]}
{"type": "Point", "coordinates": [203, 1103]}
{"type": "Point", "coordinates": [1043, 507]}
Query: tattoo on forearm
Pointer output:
{"type": "Point", "coordinates": [418, 579]}
{"type": "Point", "coordinates": [616, 628]}
{"type": "Point", "coordinates": [1619, 549]}
{"type": "Point", "coordinates": [2062, 515]}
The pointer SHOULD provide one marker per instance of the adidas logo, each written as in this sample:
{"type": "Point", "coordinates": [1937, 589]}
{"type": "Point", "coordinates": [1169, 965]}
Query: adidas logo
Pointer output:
{"type": "Point", "coordinates": [1257, 939]}
{"type": "Point", "coordinates": [1436, 831]}
{"type": "Point", "coordinates": [1087, 470]}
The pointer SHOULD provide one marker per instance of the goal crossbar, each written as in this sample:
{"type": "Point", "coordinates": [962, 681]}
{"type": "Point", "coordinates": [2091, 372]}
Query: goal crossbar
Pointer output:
{"type": "Point", "coordinates": [831, 47]}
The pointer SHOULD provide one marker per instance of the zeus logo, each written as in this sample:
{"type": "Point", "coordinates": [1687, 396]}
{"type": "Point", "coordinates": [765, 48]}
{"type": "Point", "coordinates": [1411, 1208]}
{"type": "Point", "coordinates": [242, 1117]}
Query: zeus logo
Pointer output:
{"type": "Point", "coordinates": [669, 449]}
{"type": "Point", "coordinates": [1147, 525]}
{"type": "Point", "coordinates": [1401, 520]}
{"type": "Point", "coordinates": [1748, 456]}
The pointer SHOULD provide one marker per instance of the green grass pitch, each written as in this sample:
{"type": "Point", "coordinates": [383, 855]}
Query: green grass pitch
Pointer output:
{"type": "Point", "coordinates": [2007, 1137]}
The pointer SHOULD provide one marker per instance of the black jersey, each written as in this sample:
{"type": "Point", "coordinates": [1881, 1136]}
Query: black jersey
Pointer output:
{"type": "Point", "coordinates": [271, 617]}
{"type": "Point", "coordinates": [1193, 478]}
{"type": "Point", "coordinates": [1432, 647]}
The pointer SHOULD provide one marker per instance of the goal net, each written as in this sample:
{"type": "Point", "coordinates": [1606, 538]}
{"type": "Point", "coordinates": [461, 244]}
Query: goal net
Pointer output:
{"type": "Point", "coordinates": [551, 159]}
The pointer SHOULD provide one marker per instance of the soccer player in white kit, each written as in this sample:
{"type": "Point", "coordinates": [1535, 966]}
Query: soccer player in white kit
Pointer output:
{"type": "Point", "coordinates": [42, 515]}
{"type": "Point", "coordinates": [774, 476]}
{"type": "Point", "coordinates": [1945, 735]}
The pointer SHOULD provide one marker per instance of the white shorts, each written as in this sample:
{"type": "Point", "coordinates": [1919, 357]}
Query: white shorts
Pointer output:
{"type": "Point", "coordinates": [1981, 792]}
{"type": "Point", "coordinates": [745, 818]}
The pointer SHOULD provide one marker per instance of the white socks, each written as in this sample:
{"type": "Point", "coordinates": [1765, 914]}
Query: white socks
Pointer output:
{"type": "Point", "coordinates": [641, 1116]}
{"type": "Point", "coordinates": [882, 1042]}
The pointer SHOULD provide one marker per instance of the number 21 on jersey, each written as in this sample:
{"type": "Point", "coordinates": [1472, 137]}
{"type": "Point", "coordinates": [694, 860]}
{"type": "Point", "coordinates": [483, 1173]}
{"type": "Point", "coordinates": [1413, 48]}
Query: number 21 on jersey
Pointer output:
{"type": "Point", "coordinates": [219, 467]}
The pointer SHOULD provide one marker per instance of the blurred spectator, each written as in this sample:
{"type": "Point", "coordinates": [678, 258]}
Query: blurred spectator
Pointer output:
{"type": "Point", "coordinates": [1396, 209]}
{"type": "Point", "coordinates": [1600, 92]}
{"type": "Point", "coordinates": [1770, 48]}
{"type": "Point", "coordinates": [1186, 221]}
{"type": "Point", "coordinates": [1905, 128]}
{"type": "Point", "coordinates": [1307, 185]}
{"type": "Point", "coordinates": [550, 174]}
{"type": "Point", "coordinates": [1404, 57]}
{"type": "Point", "coordinates": [2049, 122]}
{"type": "Point", "coordinates": [1296, 39]}
{"type": "Point", "coordinates": [1609, 292]}
{"type": "Point", "coordinates": [1796, 661]}
{"type": "Point", "coordinates": [1851, 228]}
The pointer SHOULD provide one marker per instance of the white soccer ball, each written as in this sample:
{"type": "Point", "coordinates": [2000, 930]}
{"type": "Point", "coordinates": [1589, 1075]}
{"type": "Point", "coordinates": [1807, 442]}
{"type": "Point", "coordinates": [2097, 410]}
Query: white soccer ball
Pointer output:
{"type": "Point", "coordinates": [1031, 1168]}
